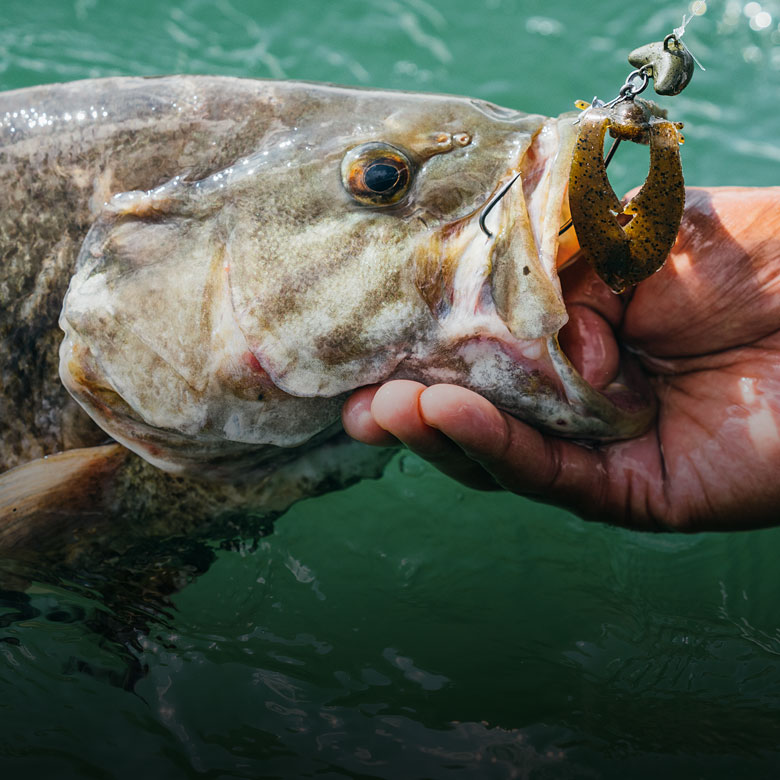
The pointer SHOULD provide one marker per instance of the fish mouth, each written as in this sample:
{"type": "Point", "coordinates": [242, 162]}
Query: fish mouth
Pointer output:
{"type": "Point", "coordinates": [558, 362]}
{"type": "Point", "coordinates": [579, 383]}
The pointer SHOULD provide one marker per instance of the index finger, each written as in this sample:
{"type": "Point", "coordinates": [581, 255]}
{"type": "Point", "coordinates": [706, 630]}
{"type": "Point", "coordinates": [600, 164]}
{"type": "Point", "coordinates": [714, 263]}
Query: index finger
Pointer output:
{"type": "Point", "coordinates": [520, 458]}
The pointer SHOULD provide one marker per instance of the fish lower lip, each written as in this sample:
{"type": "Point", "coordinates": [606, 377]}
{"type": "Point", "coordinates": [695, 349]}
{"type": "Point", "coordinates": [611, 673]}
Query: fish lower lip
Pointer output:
{"type": "Point", "coordinates": [583, 386]}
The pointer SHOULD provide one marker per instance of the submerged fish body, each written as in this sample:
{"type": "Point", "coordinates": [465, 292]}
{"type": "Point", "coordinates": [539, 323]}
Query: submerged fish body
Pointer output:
{"type": "Point", "coordinates": [239, 255]}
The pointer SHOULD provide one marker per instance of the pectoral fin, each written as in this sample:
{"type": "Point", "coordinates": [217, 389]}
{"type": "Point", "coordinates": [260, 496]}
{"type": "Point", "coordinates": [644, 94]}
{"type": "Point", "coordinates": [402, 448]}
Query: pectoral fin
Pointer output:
{"type": "Point", "coordinates": [47, 501]}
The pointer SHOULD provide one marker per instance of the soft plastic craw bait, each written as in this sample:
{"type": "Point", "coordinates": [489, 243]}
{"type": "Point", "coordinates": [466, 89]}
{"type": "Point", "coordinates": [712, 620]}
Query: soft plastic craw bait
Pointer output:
{"type": "Point", "coordinates": [625, 254]}
{"type": "Point", "coordinates": [626, 244]}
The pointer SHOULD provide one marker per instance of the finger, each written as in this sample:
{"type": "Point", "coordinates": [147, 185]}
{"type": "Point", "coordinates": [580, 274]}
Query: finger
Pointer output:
{"type": "Point", "coordinates": [396, 409]}
{"type": "Point", "coordinates": [589, 342]}
{"type": "Point", "coordinates": [588, 338]}
{"type": "Point", "coordinates": [520, 458]}
{"type": "Point", "coordinates": [360, 424]}
{"type": "Point", "coordinates": [581, 285]}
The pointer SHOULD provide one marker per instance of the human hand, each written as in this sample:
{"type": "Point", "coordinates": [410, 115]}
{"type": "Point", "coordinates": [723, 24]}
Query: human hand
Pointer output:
{"type": "Point", "coordinates": [707, 332]}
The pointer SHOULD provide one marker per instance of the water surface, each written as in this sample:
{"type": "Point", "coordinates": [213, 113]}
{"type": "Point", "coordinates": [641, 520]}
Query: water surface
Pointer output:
{"type": "Point", "coordinates": [411, 628]}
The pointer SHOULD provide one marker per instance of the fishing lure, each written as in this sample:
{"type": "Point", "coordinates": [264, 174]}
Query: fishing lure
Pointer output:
{"type": "Point", "coordinates": [625, 244]}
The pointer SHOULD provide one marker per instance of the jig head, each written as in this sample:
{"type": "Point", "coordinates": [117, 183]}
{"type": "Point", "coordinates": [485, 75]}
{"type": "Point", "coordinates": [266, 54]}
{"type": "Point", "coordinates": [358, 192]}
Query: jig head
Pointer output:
{"type": "Point", "coordinates": [671, 64]}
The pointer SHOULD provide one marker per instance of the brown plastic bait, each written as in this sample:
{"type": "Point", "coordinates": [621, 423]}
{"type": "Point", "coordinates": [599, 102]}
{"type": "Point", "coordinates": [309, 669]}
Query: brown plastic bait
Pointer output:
{"type": "Point", "coordinates": [625, 254]}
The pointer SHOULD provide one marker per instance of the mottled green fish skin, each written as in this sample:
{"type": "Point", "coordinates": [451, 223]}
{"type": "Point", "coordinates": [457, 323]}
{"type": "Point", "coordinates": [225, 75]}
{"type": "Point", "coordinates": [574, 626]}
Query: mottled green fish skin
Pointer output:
{"type": "Point", "coordinates": [64, 150]}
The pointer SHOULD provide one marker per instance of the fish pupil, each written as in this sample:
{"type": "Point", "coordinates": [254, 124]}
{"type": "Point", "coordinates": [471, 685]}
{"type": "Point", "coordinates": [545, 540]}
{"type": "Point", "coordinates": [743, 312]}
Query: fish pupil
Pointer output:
{"type": "Point", "coordinates": [381, 177]}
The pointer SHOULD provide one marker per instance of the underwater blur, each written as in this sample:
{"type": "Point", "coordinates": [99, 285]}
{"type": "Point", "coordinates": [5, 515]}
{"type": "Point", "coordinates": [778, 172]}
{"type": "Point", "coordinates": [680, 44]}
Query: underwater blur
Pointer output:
{"type": "Point", "coordinates": [409, 627]}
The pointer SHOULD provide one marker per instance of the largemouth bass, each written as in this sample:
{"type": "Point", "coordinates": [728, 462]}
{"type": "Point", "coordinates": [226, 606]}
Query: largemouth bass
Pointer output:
{"type": "Point", "coordinates": [229, 258]}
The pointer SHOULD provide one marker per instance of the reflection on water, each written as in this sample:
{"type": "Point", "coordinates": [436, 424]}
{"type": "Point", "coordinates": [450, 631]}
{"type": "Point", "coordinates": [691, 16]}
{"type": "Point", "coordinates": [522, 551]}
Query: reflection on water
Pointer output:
{"type": "Point", "coordinates": [514, 646]}
{"type": "Point", "coordinates": [409, 628]}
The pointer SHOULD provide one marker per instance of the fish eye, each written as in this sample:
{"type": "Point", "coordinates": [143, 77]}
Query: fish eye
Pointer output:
{"type": "Point", "coordinates": [376, 174]}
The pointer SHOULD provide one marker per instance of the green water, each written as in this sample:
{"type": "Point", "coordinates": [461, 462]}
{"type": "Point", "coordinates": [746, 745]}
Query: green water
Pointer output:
{"type": "Point", "coordinates": [410, 628]}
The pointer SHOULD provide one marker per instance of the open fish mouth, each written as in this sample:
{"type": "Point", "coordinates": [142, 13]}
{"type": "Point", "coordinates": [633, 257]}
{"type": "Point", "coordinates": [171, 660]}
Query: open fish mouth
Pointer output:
{"type": "Point", "coordinates": [502, 308]}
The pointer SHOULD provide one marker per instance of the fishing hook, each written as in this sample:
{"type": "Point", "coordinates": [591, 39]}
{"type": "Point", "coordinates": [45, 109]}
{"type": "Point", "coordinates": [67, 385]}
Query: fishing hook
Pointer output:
{"type": "Point", "coordinates": [503, 191]}
{"type": "Point", "coordinates": [497, 197]}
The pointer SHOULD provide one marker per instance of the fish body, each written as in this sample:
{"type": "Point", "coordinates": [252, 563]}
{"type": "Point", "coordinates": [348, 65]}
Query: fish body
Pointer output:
{"type": "Point", "coordinates": [229, 258]}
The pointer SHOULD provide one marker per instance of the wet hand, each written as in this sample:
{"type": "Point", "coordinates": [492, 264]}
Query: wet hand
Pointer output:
{"type": "Point", "coordinates": [706, 330]}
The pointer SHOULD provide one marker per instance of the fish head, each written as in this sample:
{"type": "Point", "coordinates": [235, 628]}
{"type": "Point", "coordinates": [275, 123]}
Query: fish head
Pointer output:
{"type": "Point", "coordinates": [212, 320]}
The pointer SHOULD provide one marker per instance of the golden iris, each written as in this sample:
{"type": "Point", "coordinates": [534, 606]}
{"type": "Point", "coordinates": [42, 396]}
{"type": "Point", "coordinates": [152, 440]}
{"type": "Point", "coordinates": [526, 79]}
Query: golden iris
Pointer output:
{"type": "Point", "coordinates": [376, 174]}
